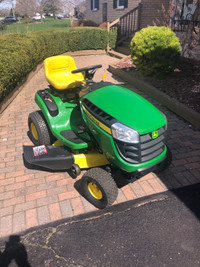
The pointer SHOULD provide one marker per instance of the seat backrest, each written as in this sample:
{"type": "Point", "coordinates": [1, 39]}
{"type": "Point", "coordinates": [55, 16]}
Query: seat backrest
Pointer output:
{"type": "Point", "coordinates": [59, 64]}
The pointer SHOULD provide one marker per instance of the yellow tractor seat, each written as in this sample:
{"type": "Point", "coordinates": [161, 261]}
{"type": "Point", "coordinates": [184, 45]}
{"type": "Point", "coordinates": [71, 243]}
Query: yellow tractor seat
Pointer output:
{"type": "Point", "coordinates": [58, 72]}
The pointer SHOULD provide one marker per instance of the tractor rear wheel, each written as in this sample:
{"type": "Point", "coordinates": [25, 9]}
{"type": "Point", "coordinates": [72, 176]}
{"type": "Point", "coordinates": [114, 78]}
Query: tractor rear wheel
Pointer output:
{"type": "Point", "coordinates": [99, 188]}
{"type": "Point", "coordinates": [39, 132]}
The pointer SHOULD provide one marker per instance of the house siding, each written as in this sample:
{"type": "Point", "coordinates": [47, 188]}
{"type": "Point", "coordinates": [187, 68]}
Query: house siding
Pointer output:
{"type": "Point", "coordinates": [112, 14]}
{"type": "Point", "coordinates": [147, 16]}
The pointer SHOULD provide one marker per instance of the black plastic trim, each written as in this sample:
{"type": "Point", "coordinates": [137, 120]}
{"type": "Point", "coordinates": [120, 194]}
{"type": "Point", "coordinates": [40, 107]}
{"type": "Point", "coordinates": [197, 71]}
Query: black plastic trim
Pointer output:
{"type": "Point", "coordinates": [49, 102]}
{"type": "Point", "coordinates": [72, 137]}
{"type": "Point", "coordinates": [98, 113]}
{"type": "Point", "coordinates": [130, 177]}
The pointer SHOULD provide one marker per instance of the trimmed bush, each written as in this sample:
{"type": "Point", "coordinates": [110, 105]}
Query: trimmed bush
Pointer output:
{"type": "Point", "coordinates": [21, 53]}
{"type": "Point", "coordinates": [155, 51]}
{"type": "Point", "coordinates": [113, 37]}
{"type": "Point", "coordinates": [2, 26]}
{"type": "Point", "coordinates": [88, 23]}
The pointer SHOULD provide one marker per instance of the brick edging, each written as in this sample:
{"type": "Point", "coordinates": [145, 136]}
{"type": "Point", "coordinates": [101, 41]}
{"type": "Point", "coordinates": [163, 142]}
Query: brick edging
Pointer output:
{"type": "Point", "coordinates": [86, 53]}
{"type": "Point", "coordinates": [188, 114]}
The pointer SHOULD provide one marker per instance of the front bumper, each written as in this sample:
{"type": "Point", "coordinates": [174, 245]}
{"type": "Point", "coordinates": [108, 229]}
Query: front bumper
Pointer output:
{"type": "Point", "coordinates": [144, 171]}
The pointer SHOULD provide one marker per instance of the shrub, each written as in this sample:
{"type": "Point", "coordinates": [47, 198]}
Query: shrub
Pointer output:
{"type": "Point", "coordinates": [75, 24]}
{"type": "Point", "coordinates": [2, 26]}
{"type": "Point", "coordinates": [84, 23]}
{"type": "Point", "coordinates": [88, 23]}
{"type": "Point", "coordinates": [113, 37]}
{"type": "Point", "coordinates": [155, 51]}
{"type": "Point", "coordinates": [21, 53]}
{"type": "Point", "coordinates": [103, 25]}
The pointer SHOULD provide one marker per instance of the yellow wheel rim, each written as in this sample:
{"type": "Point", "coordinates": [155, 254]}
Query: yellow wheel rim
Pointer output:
{"type": "Point", "coordinates": [34, 131]}
{"type": "Point", "coordinates": [95, 191]}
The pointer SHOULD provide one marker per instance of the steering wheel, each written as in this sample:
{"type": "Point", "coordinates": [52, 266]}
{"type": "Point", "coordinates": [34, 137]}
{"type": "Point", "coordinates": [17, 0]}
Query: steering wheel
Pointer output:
{"type": "Point", "coordinates": [88, 75]}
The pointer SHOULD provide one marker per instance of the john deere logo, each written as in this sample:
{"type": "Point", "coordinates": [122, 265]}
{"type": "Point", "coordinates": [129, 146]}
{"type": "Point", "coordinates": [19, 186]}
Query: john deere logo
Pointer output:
{"type": "Point", "coordinates": [154, 134]}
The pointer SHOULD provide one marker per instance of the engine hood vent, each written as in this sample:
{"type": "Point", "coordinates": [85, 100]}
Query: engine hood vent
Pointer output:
{"type": "Point", "coordinates": [101, 115]}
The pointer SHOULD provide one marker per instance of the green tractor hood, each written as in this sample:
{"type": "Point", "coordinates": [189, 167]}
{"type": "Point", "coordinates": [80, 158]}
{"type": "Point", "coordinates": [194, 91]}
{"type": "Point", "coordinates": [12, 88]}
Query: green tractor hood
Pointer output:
{"type": "Point", "coordinates": [127, 107]}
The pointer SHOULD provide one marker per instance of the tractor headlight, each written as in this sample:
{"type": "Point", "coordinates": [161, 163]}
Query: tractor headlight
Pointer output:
{"type": "Point", "coordinates": [124, 133]}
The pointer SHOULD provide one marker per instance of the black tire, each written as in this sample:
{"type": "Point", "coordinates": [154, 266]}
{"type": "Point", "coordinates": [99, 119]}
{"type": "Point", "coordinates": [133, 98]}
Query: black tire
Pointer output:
{"type": "Point", "coordinates": [39, 132]}
{"type": "Point", "coordinates": [166, 163]}
{"type": "Point", "coordinates": [108, 191]}
{"type": "Point", "coordinates": [74, 171]}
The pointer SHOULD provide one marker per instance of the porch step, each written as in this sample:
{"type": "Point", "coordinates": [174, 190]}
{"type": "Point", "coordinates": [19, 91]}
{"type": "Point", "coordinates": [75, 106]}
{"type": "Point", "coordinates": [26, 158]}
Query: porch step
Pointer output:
{"type": "Point", "coordinates": [126, 43]}
{"type": "Point", "coordinates": [123, 50]}
{"type": "Point", "coordinates": [116, 54]}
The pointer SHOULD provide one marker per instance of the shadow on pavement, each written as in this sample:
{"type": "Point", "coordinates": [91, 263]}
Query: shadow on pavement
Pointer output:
{"type": "Point", "coordinates": [157, 230]}
{"type": "Point", "coordinates": [14, 251]}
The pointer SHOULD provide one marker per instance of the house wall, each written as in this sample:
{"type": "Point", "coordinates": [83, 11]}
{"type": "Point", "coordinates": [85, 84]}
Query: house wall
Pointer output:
{"type": "Point", "coordinates": [147, 16]}
{"type": "Point", "coordinates": [150, 12]}
{"type": "Point", "coordinates": [112, 14]}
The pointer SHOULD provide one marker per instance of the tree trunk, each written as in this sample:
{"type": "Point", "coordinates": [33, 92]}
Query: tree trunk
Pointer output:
{"type": "Point", "coordinates": [41, 17]}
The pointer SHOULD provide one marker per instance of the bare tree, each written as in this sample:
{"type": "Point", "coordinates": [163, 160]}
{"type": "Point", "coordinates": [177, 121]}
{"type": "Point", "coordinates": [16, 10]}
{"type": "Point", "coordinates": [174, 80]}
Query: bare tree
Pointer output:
{"type": "Point", "coordinates": [29, 7]}
{"type": "Point", "coordinates": [183, 18]}
{"type": "Point", "coordinates": [70, 5]}
{"type": "Point", "coordinates": [190, 34]}
{"type": "Point", "coordinates": [164, 15]}
{"type": "Point", "coordinates": [25, 7]}
{"type": "Point", "coordinates": [53, 6]}
{"type": "Point", "coordinates": [39, 8]}
{"type": "Point", "coordinates": [9, 2]}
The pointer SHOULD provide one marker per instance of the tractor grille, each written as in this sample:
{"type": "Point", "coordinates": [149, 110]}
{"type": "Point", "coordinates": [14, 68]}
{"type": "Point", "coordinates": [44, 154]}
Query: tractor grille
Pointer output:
{"type": "Point", "coordinates": [98, 113]}
{"type": "Point", "coordinates": [146, 150]}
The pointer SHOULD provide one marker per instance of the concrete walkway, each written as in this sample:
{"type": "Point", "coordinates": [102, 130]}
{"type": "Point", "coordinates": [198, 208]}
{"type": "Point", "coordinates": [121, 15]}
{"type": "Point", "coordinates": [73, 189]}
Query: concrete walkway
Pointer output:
{"type": "Point", "coordinates": [30, 197]}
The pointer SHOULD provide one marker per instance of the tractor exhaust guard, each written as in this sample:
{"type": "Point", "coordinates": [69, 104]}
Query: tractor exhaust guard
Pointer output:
{"type": "Point", "coordinates": [48, 157]}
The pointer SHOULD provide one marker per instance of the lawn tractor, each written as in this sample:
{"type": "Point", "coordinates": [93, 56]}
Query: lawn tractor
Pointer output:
{"type": "Point", "coordinates": [110, 132]}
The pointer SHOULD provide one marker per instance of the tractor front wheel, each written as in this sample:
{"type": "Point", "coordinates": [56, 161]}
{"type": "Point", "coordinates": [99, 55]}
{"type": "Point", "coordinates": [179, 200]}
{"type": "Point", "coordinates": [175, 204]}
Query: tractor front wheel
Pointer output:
{"type": "Point", "coordinates": [99, 188]}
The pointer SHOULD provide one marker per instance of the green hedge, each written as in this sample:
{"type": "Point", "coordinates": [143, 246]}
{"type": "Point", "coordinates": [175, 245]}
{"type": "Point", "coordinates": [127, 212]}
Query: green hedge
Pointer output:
{"type": "Point", "coordinates": [21, 53]}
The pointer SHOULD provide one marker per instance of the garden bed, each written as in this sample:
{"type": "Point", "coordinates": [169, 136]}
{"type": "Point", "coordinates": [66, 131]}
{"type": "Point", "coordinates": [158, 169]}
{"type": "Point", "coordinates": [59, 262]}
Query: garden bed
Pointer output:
{"type": "Point", "coordinates": [183, 85]}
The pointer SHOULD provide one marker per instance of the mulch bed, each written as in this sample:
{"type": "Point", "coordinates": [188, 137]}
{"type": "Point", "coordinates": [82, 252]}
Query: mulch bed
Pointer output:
{"type": "Point", "coordinates": [182, 85]}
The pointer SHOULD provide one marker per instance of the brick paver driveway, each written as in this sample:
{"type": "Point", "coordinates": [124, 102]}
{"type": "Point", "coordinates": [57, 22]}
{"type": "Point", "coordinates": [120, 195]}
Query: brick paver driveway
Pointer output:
{"type": "Point", "coordinates": [30, 197]}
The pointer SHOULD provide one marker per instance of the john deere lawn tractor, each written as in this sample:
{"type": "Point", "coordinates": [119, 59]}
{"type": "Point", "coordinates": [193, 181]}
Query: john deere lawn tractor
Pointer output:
{"type": "Point", "coordinates": [111, 132]}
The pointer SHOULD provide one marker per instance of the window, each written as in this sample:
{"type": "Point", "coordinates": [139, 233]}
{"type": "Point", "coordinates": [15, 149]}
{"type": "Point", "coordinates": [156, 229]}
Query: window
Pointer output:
{"type": "Point", "coordinates": [120, 4]}
{"type": "Point", "coordinates": [94, 5]}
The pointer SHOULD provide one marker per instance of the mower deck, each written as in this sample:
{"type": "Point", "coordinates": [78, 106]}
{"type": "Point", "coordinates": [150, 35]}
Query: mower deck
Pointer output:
{"type": "Point", "coordinates": [49, 157]}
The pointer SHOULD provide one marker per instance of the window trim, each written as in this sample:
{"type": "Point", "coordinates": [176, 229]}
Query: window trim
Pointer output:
{"type": "Point", "coordinates": [93, 3]}
{"type": "Point", "coordinates": [118, 6]}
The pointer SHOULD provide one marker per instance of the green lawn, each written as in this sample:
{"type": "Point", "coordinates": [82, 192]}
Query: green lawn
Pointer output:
{"type": "Point", "coordinates": [48, 24]}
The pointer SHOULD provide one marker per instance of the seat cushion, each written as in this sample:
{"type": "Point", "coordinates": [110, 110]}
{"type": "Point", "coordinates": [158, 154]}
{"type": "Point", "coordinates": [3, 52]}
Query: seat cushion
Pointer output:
{"type": "Point", "coordinates": [65, 80]}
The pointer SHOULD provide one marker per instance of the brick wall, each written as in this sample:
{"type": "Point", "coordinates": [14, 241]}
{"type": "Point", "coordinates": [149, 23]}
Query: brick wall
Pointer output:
{"type": "Point", "coordinates": [149, 11]}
